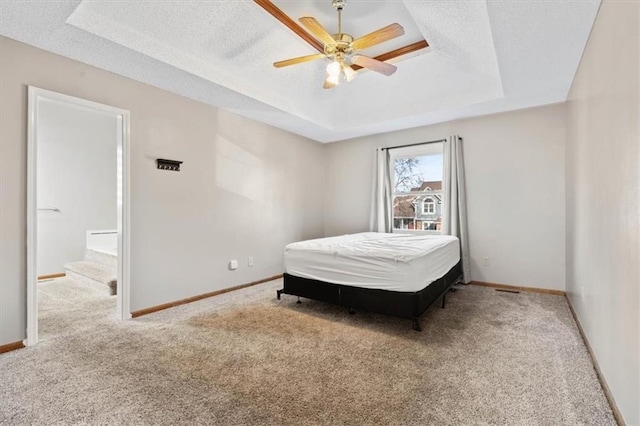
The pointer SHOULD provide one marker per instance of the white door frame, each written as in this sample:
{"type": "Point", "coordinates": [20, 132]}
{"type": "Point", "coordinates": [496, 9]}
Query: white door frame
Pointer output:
{"type": "Point", "coordinates": [123, 290]}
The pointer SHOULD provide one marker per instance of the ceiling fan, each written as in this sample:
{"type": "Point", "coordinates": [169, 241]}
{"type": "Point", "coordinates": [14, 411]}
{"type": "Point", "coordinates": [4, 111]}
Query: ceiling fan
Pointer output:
{"type": "Point", "coordinates": [341, 48]}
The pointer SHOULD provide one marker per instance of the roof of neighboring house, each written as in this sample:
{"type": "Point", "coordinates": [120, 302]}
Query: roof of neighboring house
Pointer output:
{"type": "Point", "coordinates": [435, 185]}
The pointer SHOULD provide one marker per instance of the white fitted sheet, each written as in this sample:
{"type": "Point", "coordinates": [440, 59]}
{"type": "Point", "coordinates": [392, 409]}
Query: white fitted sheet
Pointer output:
{"type": "Point", "coordinates": [395, 262]}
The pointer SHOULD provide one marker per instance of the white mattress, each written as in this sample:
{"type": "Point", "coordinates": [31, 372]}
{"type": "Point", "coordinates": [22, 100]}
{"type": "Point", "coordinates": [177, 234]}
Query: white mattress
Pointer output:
{"type": "Point", "coordinates": [396, 262]}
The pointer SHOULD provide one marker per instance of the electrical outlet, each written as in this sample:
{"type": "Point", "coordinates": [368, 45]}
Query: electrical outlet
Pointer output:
{"type": "Point", "coordinates": [485, 261]}
{"type": "Point", "coordinates": [250, 261]}
{"type": "Point", "coordinates": [233, 264]}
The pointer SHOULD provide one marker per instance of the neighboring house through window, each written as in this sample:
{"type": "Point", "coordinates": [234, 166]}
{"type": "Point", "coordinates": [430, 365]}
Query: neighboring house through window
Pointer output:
{"type": "Point", "coordinates": [417, 187]}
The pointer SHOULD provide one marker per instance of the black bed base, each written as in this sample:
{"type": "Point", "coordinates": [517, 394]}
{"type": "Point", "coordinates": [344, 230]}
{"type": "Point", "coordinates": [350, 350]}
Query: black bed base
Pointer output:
{"type": "Point", "coordinates": [396, 303]}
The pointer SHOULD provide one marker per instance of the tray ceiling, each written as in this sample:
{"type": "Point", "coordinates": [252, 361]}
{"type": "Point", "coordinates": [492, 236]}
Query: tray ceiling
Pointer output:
{"type": "Point", "coordinates": [484, 57]}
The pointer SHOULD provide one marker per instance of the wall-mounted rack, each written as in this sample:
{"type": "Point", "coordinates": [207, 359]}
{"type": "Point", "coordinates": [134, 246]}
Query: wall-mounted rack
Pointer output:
{"type": "Point", "coordinates": [164, 164]}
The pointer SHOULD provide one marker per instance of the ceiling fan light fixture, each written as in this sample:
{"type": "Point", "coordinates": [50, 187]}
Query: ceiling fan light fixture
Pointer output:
{"type": "Point", "coordinates": [349, 73]}
{"type": "Point", "coordinates": [333, 69]}
{"type": "Point", "coordinates": [333, 72]}
{"type": "Point", "coordinates": [340, 47]}
{"type": "Point", "coordinates": [328, 84]}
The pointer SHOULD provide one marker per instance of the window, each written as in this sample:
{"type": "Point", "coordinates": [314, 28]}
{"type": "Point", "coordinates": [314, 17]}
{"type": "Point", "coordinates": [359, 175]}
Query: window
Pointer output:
{"type": "Point", "coordinates": [417, 187]}
{"type": "Point", "coordinates": [429, 226]}
{"type": "Point", "coordinates": [428, 206]}
{"type": "Point", "coordinates": [403, 223]}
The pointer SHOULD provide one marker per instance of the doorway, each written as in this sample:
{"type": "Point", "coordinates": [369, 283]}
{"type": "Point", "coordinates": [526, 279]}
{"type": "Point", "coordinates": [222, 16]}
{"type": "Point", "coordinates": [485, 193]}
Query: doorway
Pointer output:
{"type": "Point", "coordinates": [70, 226]}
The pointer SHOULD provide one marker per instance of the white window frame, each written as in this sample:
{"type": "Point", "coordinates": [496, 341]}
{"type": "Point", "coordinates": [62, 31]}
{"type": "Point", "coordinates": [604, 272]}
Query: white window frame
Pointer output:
{"type": "Point", "coordinates": [432, 204]}
{"type": "Point", "coordinates": [435, 148]}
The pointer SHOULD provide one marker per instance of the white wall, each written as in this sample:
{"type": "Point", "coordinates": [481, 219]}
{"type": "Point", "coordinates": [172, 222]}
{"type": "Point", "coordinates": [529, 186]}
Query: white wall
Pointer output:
{"type": "Point", "coordinates": [77, 174]}
{"type": "Point", "coordinates": [515, 191]}
{"type": "Point", "coordinates": [603, 193]}
{"type": "Point", "coordinates": [246, 189]}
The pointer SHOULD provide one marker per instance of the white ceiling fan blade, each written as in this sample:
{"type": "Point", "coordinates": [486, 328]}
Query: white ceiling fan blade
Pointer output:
{"type": "Point", "coordinates": [374, 64]}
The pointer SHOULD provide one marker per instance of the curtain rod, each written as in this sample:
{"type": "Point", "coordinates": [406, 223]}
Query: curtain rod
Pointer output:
{"type": "Point", "coordinates": [413, 144]}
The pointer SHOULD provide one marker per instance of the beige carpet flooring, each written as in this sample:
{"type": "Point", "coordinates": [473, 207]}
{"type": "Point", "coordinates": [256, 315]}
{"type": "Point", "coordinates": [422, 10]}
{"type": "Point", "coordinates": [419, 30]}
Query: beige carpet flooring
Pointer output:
{"type": "Point", "coordinates": [246, 358]}
{"type": "Point", "coordinates": [66, 306]}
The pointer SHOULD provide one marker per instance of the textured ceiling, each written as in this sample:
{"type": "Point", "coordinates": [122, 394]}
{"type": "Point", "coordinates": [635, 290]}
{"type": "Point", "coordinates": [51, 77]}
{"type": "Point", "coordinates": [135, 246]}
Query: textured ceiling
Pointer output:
{"type": "Point", "coordinates": [485, 57]}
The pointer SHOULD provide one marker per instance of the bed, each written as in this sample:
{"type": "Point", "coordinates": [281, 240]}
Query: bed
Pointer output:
{"type": "Point", "coordinates": [393, 274]}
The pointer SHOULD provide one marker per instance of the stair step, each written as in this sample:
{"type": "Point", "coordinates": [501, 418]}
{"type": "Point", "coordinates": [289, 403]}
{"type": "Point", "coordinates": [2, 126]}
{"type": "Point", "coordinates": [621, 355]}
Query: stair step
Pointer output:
{"type": "Point", "coordinates": [98, 256]}
{"type": "Point", "coordinates": [93, 272]}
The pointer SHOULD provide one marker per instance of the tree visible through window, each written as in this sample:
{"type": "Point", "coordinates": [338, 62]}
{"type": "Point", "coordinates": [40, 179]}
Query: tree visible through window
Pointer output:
{"type": "Point", "coordinates": [407, 173]}
{"type": "Point", "coordinates": [417, 200]}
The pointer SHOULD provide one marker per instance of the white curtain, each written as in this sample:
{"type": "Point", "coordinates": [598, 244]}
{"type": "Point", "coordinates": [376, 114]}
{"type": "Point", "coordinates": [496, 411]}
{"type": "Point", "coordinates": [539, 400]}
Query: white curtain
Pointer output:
{"type": "Point", "coordinates": [381, 213]}
{"type": "Point", "coordinates": [455, 214]}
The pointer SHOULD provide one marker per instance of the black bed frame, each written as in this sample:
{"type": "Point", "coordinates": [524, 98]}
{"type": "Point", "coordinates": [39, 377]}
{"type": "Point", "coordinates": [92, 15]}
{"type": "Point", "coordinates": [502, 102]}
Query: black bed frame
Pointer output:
{"type": "Point", "coordinates": [396, 303]}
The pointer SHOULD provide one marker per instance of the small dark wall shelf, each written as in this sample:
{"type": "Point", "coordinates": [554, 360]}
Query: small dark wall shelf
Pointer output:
{"type": "Point", "coordinates": [172, 165]}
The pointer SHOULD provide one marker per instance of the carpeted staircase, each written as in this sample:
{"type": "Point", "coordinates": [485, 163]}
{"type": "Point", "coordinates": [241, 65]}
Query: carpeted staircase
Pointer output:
{"type": "Point", "coordinates": [97, 268]}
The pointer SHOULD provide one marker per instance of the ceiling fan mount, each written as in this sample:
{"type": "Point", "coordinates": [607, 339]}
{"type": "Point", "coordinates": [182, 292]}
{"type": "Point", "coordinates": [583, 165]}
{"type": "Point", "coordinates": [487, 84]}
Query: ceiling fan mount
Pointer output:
{"type": "Point", "coordinates": [342, 45]}
{"type": "Point", "coordinates": [339, 4]}
{"type": "Point", "coordinates": [341, 48]}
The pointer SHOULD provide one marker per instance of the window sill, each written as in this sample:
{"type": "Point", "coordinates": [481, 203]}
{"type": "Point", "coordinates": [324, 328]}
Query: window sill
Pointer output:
{"type": "Point", "coordinates": [416, 231]}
